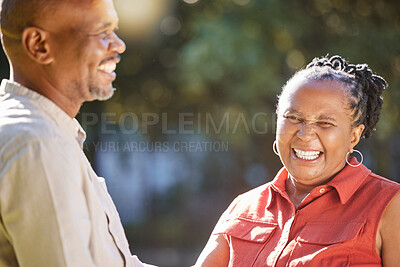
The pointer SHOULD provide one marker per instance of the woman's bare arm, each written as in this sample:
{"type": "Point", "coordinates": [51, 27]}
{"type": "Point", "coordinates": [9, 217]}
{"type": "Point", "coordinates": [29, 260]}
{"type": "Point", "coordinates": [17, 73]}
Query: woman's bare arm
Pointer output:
{"type": "Point", "coordinates": [389, 230]}
{"type": "Point", "coordinates": [215, 253]}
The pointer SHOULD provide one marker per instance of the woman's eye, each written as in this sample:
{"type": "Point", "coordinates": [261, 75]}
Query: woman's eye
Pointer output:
{"type": "Point", "coordinates": [293, 119]}
{"type": "Point", "coordinates": [324, 123]}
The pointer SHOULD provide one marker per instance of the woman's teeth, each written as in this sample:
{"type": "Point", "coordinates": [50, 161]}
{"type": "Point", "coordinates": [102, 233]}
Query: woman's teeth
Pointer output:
{"type": "Point", "coordinates": [307, 155]}
{"type": "Point", "coordinates": [107, 67]}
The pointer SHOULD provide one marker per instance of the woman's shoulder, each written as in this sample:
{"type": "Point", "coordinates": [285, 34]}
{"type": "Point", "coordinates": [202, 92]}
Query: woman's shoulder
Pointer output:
{"type": "Point", "coordinates": [250, 203]}
{"type": "Point", "coordinates": [256, 192]}
{"type": "Point", "coordinates": [382, 182]}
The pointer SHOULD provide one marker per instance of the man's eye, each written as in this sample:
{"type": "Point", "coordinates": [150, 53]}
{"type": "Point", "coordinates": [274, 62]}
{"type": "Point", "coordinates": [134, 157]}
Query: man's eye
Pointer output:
{"type": "Point", "coordinates": [105, 34]}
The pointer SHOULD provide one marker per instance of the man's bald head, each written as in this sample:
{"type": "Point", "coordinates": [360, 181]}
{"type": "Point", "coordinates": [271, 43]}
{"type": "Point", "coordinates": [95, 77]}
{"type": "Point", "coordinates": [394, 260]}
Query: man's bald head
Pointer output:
{"type": "Point", "coordinates": [16, 15]}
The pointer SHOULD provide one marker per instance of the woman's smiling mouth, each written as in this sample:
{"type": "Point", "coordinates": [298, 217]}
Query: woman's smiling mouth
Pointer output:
{"type": "Point", "coordinates": [307, 155]}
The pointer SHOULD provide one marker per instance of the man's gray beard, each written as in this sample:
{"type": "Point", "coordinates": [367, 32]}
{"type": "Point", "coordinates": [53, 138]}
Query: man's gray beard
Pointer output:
{"type": "Point", "coordinates": [100, 94]}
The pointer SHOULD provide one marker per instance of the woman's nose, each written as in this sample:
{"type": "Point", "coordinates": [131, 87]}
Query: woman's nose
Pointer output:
{"type": "Point", "coordinates": [306, 131]}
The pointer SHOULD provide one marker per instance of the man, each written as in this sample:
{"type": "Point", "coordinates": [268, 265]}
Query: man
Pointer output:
{"type": "Point", "coordinates": [54, 209]}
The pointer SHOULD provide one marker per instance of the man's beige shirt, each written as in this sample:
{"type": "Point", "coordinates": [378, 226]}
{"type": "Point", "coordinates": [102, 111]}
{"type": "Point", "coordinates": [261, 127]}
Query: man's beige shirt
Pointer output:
{"type": "Point", "coordinates": [55, 211]}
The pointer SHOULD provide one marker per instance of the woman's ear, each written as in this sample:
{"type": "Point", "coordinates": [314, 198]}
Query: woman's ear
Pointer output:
{"type": "Point", "coordinates": [356, 135]}
{"type": "Point", "coordinates": [35, 43]}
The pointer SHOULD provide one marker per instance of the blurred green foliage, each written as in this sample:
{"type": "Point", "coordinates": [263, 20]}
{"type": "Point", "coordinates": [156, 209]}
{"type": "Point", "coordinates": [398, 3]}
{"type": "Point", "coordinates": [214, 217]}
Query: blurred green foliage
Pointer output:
{"type": "Point", "coordinates": [232, 57]}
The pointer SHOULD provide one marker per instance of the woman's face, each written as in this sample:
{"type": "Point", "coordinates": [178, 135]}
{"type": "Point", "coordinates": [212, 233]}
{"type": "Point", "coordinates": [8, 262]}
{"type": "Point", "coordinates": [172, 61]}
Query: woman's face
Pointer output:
{"type": "Point", "coordinates": [314, 130]}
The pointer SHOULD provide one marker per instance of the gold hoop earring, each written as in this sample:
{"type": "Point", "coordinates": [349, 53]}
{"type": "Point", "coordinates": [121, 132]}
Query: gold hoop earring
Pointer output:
{"type": "Point", "coordinates": [352, 165]}
{"type": "Point", "coordinates": [275, 148]}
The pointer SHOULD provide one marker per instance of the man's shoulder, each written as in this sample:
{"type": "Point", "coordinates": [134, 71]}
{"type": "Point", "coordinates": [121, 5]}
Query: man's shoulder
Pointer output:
{"type": "Point", "coordinates": [22, 126]}
{"type": "Point", "coordinates": [31, 137]}
{"type": "Point", "coordinates": [24, 122]}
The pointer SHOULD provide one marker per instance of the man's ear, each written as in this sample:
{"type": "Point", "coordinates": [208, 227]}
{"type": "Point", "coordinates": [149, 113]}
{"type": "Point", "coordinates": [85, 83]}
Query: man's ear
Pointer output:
{"type": "Point", "coordinates": [356, 135]}
{"type": "Point", "coordinates": [36, 45]}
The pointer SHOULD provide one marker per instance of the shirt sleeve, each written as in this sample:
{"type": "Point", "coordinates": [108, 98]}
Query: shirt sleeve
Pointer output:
{"type": "Point", "coordinates": [226, 216]}
{"type": "Point", "coordinates": [43, 207]}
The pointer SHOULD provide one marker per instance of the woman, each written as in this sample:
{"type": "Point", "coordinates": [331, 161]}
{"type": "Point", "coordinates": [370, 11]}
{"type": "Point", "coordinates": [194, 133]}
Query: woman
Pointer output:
{"type": "Point", "coordinates": [323, 208]}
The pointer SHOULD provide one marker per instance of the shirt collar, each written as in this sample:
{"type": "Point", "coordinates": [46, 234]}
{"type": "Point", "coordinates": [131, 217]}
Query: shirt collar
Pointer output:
{"type": "Point", "coordinates": [346, 182]}
{"type": "Point", "coordinates": [67, 124]}
{"type": "Point", "coordinates": [279, 182]}
{"type": "Point", "coordinates": [349, 180]}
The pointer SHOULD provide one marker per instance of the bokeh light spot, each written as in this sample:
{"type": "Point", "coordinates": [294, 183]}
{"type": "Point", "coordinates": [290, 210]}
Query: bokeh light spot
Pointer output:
{"type": "Point", "coordinates": [342, 5]}
{"type": "Point", "coordinates": [363, 8]}
{"type": "Point", "coordinates": [241, 2]}
{"type": "Point", "coordinates": [397, 64]}
{"type": "Point", "coordinates": [170, 26]}
{"type": "Point", "coordinates": [191, 1]}
{"type": "Point", "coordinates": [397, 23]}
{"type": "Point", "coordinates": [295, 59]}
{"type": "Point", "coordinates": [140, 18]}
{"type": "Point", "coordinates": [323, 6]}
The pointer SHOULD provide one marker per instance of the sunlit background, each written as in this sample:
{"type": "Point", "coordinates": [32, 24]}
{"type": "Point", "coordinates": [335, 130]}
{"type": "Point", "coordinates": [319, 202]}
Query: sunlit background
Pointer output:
{"type": "Point", "coordinates": [192, 122]}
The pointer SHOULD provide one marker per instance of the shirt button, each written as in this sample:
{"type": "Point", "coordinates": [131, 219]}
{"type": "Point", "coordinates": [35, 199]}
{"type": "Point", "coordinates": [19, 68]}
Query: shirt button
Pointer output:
{"type": "Point", "coordinates": [322, 190]}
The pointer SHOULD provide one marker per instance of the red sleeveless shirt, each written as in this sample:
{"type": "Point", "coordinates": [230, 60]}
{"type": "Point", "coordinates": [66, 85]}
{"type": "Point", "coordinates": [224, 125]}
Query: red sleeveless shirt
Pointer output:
{"type": "Point", "coordinates": [335, 225]}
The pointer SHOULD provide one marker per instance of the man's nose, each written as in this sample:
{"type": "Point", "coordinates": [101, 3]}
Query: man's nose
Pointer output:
{"type": "Point", "coordinates": [117, 44]}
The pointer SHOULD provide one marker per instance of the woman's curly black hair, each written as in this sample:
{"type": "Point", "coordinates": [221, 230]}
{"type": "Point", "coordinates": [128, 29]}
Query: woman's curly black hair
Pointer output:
{"type": "Point", "coordinates": [365, 88]}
